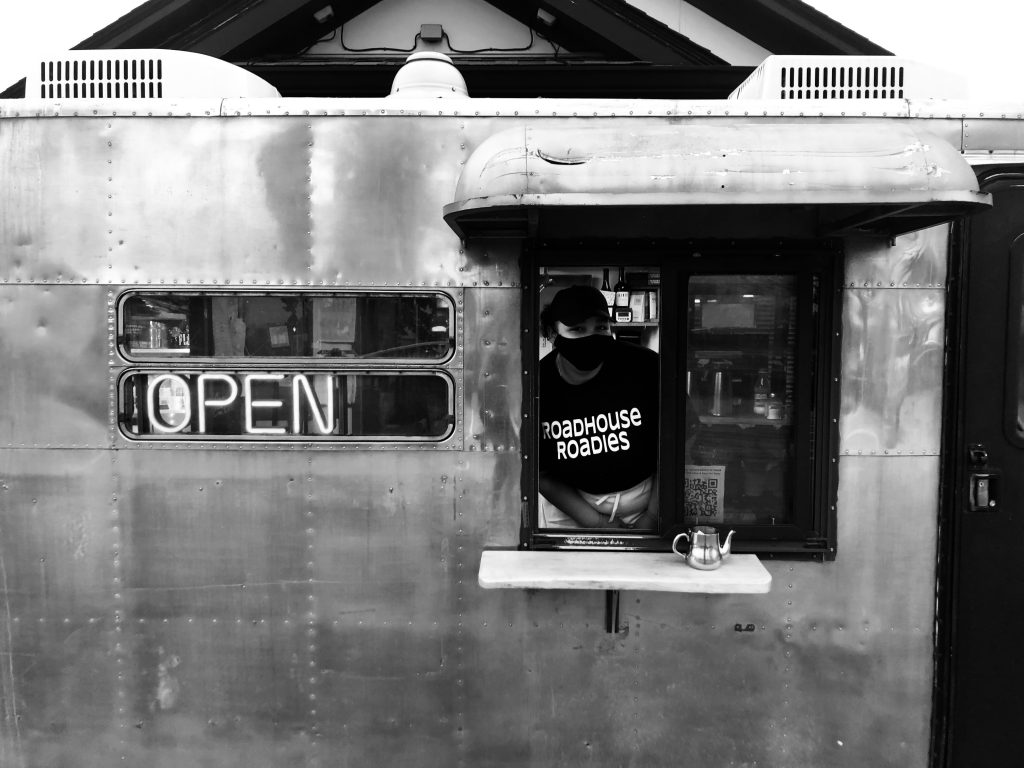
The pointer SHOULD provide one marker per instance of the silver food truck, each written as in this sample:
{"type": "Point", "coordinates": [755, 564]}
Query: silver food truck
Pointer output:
{"type": "Point", "coordinates": [269, 422]}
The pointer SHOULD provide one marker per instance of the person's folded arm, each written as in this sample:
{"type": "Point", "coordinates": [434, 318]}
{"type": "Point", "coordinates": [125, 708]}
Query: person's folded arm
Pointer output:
{"type": "Point", "coordinates": [567, 499]}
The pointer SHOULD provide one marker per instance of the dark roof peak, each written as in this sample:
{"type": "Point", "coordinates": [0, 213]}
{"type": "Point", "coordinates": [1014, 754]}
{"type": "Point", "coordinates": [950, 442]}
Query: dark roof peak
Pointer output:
{"type": "Point", "coordinates": [636, 54]}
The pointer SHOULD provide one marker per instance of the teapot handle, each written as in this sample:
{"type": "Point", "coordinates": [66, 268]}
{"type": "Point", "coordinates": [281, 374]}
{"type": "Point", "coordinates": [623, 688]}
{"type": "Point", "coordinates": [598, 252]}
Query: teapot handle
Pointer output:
{"type": "Point", "coordinates": [676, 539]}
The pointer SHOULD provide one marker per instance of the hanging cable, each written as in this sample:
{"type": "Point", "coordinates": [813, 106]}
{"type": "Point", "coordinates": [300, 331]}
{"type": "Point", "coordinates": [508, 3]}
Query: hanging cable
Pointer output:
{"type": "Point", "coordinates": [555, 47]}
{"type": "Point", "coordinates": [344, 47]}
{"type": "Point", "coordinates": [339, 32]}
{"type": "Point", "coordinates": [453, 49]}
{"type": "Point", "coordinates": [324, 39]}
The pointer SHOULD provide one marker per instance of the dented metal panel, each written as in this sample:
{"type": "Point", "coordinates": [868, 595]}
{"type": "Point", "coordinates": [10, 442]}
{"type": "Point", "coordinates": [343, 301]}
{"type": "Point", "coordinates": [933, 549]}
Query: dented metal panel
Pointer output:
{"type": "Point", "coordinates": [277, 606]}
{"type": "Point", "coordinates": [54, 372]}
{"type": "Point", "coordinates": [864, 171]}
{"type": "Point", "coordinates": [894, 312]}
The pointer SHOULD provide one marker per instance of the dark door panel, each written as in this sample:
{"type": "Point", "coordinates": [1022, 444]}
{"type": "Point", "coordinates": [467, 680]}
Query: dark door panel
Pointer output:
{"type": "Point", "coordinates": [985, 524]}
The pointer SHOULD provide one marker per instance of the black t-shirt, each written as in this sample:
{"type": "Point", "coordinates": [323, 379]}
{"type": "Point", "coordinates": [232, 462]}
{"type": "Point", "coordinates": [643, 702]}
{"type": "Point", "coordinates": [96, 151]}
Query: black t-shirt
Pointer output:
{"type": "Point", "coordinates": [601, 436]}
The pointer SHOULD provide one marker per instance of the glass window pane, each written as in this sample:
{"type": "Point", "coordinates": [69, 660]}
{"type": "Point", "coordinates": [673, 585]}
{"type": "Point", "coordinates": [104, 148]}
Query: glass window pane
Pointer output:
{"type": "Point", "coordinates": [740, 388]}
{"type": "Point", "coordinates": [279, 405]}
{"type": "Point", "coordinates": [383, 326]}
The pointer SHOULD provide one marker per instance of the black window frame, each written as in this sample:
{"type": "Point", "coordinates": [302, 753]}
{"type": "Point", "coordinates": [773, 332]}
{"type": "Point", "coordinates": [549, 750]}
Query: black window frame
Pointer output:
{"type": "Point", "coordinates": [1013, 399]}
{"type": "Point", "coordinates": [197, 297]}
{"type": "Point", "coordinates": [447, 368]}
{"type": "Point", "coordinates": [817, 265]}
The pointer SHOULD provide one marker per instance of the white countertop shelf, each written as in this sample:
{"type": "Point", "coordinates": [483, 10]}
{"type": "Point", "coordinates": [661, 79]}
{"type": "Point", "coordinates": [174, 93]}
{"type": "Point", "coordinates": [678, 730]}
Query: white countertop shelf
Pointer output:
{"type": "Point", "coordinates": [650, 571]}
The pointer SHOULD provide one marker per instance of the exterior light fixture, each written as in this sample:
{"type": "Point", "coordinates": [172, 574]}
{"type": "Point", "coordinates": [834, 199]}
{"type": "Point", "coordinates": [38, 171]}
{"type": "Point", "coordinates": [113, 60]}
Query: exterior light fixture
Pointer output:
{"type": "Point", "coordinates": [324, 15]}
{"type": "Point", "coordinates": [544, 18]}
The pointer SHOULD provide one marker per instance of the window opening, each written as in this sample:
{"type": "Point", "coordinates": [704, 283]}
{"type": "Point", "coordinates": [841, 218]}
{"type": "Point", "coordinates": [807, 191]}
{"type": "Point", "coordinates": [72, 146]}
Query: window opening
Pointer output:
{"type": "Point", "coordinates": [598, 383]}
{"type": "Point", "coordinates": [300, 366]}
{"type": "Point", "coordinates": [384, 326]}
{"type": "Point", "coordinates": [741, 345]}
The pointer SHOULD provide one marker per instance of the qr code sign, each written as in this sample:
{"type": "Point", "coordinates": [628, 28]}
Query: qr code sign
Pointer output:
{"type": "Point", "coordinates": [703, 493]}
{"type": "Point", "coordinates": [702, 496]}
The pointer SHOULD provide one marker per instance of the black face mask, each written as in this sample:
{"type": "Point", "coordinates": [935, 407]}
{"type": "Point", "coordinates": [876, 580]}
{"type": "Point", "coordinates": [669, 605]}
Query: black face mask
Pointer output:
{"type": "Point", "coordinates": [585, 353]}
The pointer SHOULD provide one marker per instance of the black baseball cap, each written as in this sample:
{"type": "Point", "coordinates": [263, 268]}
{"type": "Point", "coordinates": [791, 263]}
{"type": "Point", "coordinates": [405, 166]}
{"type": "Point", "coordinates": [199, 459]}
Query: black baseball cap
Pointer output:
{"type": "Point", "coordinates": [576, 303]}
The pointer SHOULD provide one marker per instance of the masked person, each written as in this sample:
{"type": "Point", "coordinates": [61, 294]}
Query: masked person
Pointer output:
{"type": "Point", "coordinates": [598, 420]}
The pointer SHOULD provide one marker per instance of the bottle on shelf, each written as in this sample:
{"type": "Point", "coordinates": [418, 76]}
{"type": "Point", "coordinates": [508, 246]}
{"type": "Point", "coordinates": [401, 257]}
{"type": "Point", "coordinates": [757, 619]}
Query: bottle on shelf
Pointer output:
{"type": "Point", "coordinates": [761, 386]}
{"type": "Point", "coordinates": [737, 393]}
{"type": "Point", "coordinates": [721, 393]}
{"type": "Point", "coordinates": [608, 293]}
{"type": "Point", "coordinates": [623, 313]}
{"type": "Point", "coordinates": [774, 407]}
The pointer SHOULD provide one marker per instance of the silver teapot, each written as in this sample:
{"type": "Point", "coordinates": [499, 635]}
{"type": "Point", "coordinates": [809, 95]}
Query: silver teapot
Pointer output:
{"type": "Point", "coordinates": [704, 552]}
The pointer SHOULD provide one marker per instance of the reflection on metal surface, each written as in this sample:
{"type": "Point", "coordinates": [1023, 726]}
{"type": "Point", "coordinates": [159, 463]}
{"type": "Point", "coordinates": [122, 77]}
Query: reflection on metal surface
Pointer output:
{"type": "Point", "coordinates": [893, 348]}
{"type": "Point", "coordinates": [493, 409]}
{"type": "Point", "coordinates": [917, 260]}
{"type": "Point", "coordinates": [268, 605]}
{"type": "Point", "coordinates": [887, 176]}
{"type": "Point", "coordinates": [54, 392]}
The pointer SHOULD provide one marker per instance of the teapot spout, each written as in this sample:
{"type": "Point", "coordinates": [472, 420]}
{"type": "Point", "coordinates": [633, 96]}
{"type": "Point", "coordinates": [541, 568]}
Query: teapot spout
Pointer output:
{"type": "Point", "coordinates": [727, 546]}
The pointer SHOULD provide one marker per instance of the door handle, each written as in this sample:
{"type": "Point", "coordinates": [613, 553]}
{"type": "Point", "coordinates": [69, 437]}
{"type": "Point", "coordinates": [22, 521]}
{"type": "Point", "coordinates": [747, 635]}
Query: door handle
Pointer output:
{"type": "Point", "coordinates": [983, 491]}
{"type": "Point", "coordinates": [982, 481]}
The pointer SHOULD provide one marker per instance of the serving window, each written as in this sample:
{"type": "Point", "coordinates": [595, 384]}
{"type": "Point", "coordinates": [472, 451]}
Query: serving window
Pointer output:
{"type": "Point", "coordinates": [744, 347]}
{"type": "Point", "coordinates": [288, 366]}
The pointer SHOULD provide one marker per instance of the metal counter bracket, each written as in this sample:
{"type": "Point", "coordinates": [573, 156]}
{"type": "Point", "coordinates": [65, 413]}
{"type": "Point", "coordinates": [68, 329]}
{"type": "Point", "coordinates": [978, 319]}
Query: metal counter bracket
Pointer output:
{"type": "Point", "coordinates": [611, 611]}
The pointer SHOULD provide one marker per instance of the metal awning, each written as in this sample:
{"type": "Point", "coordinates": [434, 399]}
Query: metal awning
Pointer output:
{"type": "Point", "coordinates": [711, 178]}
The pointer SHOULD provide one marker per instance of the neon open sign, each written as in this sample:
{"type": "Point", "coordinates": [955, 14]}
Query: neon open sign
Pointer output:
{"type": "Point", "coordinates": [253, 406]}
{"type": "Point", "coordinates": [278, 405]}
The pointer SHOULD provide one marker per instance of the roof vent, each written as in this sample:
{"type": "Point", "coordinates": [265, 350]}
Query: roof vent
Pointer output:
{"type": "Point", "coordinates": [428, 75]}
{"type": "Point", "coordinates": [847, 77]}
{"type": "Point", "coordinates": [142, 74]}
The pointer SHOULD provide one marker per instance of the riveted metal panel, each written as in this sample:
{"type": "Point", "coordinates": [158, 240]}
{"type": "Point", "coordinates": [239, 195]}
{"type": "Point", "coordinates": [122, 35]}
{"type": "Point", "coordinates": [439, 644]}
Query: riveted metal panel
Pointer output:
{"type": "Point", "coordinates": [214, 568]}
{"type": "Point", "coordinates": [221, 690]}
{"type": "Point", "coordinates": [256, 605]}
{"type": "Point", "coordinates": [54, 204]}
{"type": "Point", "coordinates": [893, 328]}
{"type": "Point", "coordinates": [54, 374]}
{"type": "Point", "coordinates": [275, 609]}
{"type": "Point", "coordinates": [493, 408]}
{"type": "Point", "coordinates": [403, 172]}
{"type": "Point", "coordinates": [988, 131]}
{"type": "Point", "coordinates": [892, 357]}
{"type": "Point", "coordinates": [229, 200]}
{"type": "Point", "coordinates": [208, 533]}
{"type": "Point", "coordinates": [915, 260]}
{"type": "Point", "coordinates": [60, 692]}
{"type": "Point", "coordinates": [691, 163]}
{"type": "Point", "coordinates": [278, 201]}
{"type": "Point", "coordinates": [58, 543]}
{"type": "Point", "coordinates": [389, 557]}
{"type": "Point", "coordinates": [833, 667]}
{"type": "Point", "coordinates": [59, 603]}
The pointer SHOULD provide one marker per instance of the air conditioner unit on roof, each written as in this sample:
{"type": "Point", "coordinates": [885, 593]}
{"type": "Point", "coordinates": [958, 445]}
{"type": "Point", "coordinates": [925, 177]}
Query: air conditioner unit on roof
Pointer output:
{"type": "Point", "coordinates": [848, 77]}
{"type": "Point", "coordinates": [142, 74]}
